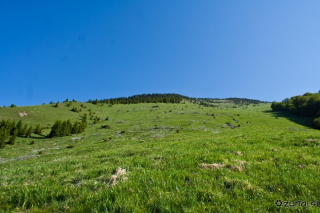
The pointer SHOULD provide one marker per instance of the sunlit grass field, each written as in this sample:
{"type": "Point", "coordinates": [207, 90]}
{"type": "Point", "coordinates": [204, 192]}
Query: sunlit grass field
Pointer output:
{"type": "Point", "coordinates": [177, 158]}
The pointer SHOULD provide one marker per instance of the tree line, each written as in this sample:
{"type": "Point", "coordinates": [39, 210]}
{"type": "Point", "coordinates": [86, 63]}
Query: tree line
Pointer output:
{"type": "Point", "coordinates": [307, 104]}
{"type": "Point", "coordinates": [144, 98]}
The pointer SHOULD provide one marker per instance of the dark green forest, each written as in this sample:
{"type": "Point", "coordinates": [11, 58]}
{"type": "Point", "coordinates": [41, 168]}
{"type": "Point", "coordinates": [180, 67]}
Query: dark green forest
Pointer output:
{"type": "Point", "coordinates": [307, 104]}
{"type": "Point", "coordinates": [144, 98]}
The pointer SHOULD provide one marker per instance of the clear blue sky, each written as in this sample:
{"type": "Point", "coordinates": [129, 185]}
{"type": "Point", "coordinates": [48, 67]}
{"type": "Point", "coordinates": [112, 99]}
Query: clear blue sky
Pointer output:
{"type": "Point", "coordinates": [53, 50]}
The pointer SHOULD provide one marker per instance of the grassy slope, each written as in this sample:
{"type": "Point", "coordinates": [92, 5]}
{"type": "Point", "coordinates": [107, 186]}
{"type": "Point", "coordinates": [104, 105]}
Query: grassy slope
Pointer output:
{"type": "Point", "coordinates": [163, 166]}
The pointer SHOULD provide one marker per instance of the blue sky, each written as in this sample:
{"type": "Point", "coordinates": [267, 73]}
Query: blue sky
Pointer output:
{"type": "Point", "coordinates": [53, 50]}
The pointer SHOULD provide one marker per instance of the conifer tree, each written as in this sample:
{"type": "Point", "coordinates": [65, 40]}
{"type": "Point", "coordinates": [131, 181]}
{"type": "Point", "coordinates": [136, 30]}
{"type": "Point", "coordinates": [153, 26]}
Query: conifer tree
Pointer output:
{"type": "Point", "coordinates": [76, 128]}
{"type": "Point", "coordinates": [29, 132]}
{"type": "Point", "coordinates": [13, 127]}
{"type": "Point", "coordinates": [13, 137]}
{"type": "Point", "coordinates": [19, 127]}
{"type": "Point", "coordinates": [24, 130]}
{"type": "Point", "coordinates": [96, 120]}
{"type": "Point", "coordinates": [3, 136]}
{"type": "Point", "coordinates": [55, 129]}
{"type": "Point", "coordinates": [66, 128]}
{"type": "Point", "coordinates": [38, 130]}
{"type": "Point", "coordinates": [85, 119]}
{"type": "Point", "coordinates": [81, 127]}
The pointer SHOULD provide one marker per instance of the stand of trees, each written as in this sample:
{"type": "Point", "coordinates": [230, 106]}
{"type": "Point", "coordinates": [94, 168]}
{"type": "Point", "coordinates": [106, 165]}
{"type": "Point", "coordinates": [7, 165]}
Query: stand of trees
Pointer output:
{"type": "Point", "coordinates": [144, 98]}
{"type": "Point", "coordinates": [10, 130]}
{"type": "Point", "coordinates": [66, 128]}
{"type": "Point", "coordinates": [305, 105]}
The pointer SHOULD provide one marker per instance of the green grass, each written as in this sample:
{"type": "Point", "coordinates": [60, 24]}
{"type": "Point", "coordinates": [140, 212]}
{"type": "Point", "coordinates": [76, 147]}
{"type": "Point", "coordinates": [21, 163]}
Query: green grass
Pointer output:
{"type": "Point", "coordinates": [164, 166]}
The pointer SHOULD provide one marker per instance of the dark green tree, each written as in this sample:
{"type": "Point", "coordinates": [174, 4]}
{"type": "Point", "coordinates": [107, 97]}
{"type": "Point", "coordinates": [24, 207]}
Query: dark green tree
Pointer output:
{"type": "Point", "coordinates": [316, 123]}
{"type": "Point", "coordinates": [76, 128]}
{"type": "Point", "coordinates": [24, 130]}
{"type": "Point", "coordinates": [13, 127]}
{"type": "Point", "coordinates": [96, 120]}
{"type": "Point", "coordinates": [13, 137]}
{"type": "Point", "coordinates": [3, 136]}
{"type": "Point", "coordinates": [29, 132]}
{"type": "Point", "coordinates": [19, 127]}
{"type": "Point", "coordinates": [85, 119]}
{"type": "Point", "coordinates": [66, 128]}
{"type": "Point", "coordinates": [38, 130]}
{"type": "Point", "coordinates": [55, 129]}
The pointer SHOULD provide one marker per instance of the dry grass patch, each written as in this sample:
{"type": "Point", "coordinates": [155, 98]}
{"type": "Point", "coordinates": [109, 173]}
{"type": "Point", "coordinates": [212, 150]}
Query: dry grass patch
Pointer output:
{"type": "Point", "coordinates": [313, 140]}
{"type": "Point", "coordinates": [119, 175]}
{"type": "Point", "coordinates": [241, 162]}
{"type": "Point", "coordinates": [236, 168]}
{"type": "Point", "coordinates": [212, 166]}
{"type": "Point", "coordinates": [238, 153]}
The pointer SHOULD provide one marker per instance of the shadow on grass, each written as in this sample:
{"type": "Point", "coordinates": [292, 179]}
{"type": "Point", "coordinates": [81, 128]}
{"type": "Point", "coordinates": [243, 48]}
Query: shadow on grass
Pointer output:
{"type": "Point", "coordinates": [35, 137]}
{"type": "Point", "coordinates": [305, 121]}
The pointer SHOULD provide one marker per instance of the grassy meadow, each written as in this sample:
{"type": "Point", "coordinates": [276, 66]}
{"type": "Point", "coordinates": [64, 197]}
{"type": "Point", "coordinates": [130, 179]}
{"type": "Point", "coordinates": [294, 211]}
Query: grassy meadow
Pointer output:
{"type": "Point", "coordinates": [177, 158]}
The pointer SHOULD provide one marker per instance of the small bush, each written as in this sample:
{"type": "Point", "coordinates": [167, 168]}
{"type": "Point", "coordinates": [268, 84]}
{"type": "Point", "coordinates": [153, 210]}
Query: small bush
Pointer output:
{"type": "Point", "coordinates": [123, 131]}
{"type": "Point", "coordinates": [12, 106]}
{"type": "Point", "coordinates": [105, 127]}
{"type": "Point", "coordinates": [177, 130]}
{"type": "Point", "coordinates": [316, 123]}
{"type": "Point", "coordinates": [75, 109]}
{"type": "Point", "coordinates": [70, 146]}
{"type": "Point", "coordinates": [40, 152]}
{"type": "Point", "coordinates": [32, 142]}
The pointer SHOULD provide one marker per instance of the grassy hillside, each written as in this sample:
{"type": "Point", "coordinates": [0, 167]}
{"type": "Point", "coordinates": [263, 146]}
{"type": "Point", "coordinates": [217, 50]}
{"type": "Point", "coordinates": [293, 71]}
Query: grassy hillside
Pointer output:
{"type": "Point", "coordinates": [177, 158]}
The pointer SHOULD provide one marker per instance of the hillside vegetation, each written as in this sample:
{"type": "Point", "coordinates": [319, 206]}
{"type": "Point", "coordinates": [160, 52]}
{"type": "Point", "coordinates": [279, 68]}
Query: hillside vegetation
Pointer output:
{"type": "Point", "coordinates": [305, 105]}
{"type": "Point", "coordinates": [160, 157]}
